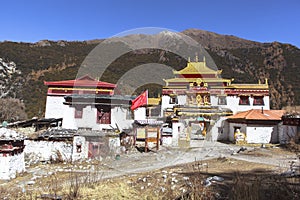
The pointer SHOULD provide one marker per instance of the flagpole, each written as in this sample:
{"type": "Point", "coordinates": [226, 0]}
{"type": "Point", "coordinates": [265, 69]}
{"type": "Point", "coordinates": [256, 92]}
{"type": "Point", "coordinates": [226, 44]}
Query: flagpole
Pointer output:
{"type": "Point", "coordinates": [147, 117]}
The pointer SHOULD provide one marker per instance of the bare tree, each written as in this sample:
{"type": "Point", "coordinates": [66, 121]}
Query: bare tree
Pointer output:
{"type": "Point", "coordinates": [12, 110]}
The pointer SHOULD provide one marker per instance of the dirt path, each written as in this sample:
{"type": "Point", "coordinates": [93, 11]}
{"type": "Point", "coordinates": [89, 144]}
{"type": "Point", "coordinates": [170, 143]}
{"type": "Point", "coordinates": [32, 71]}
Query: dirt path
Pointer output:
{"type": "Point", "coordinates": [136, 162]}
{"type": "Point", "coordinates": [200, 150]}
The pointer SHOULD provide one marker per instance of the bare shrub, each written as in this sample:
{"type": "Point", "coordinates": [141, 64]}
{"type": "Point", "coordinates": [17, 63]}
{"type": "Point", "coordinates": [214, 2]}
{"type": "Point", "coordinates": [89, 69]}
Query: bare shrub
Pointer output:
{"type": "Point", "coordinates": [12, 110]}
{"type": "Point", "coordinates": [267, 186]}
{"type": "Point", "coordinates": [75, 185]}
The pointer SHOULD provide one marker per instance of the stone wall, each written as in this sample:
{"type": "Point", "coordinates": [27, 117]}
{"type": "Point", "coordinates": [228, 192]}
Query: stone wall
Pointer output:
{"type": "Point", "coordinates": [219, 130]}
{"type": "Point", "coordinates": [286, 133]}
{"type": "Point", "coordinates": [11, 165]}
{"type": "Point", "coordinates": [44, 151]}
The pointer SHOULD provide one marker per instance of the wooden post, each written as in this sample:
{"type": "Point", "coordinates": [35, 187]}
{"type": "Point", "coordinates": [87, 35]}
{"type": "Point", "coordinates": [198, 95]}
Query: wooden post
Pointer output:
{"type": "Point", "coordinates": [146, 139]}
{"type": "Point", "coordinates": [157, 138]}
{"type": "Point", "coordinates": [134, 136]}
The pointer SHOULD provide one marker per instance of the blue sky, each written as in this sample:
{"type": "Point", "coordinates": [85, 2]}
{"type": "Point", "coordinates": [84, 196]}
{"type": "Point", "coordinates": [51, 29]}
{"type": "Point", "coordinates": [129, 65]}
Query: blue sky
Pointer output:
{"type": "Point", "coordinates": [258, 20]}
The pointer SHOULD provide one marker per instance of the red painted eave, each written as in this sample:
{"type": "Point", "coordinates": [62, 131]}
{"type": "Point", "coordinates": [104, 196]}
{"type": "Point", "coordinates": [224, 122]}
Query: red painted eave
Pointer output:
{"type": "Point", "coordinates": [85, 81]}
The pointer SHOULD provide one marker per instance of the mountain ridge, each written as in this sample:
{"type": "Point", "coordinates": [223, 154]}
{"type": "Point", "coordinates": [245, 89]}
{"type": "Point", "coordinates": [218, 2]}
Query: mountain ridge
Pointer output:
{"type": "Point", "coordinates": [245, 60]}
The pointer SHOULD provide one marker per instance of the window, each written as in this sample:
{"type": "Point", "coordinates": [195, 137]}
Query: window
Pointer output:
{"type": "Point", "coordinates": [103, 117]}
{"type": "Point", "coordinates": [258, 101]}
{"type": "Point", "coordinates": [222, 100]}
{"type": "Point", "coordinates": [95, 146]}
{"type": "Point", "coordinates": [173, 100]}
{"type": "Point", "coordinates": [78, 147]}
{"type": "Point", "coordinates": [153, 111]}
{"type": "Point", "coordinates": [78, 112]}
{"type": "Point", "coordinates": [244, 100]}
{"type": "Point", "coordinates": [236, 129]}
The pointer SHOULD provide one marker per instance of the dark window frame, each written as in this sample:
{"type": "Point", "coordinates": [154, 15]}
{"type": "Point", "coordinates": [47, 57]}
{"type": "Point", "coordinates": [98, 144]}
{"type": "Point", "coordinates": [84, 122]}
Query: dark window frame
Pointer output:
{"type": "Point", "coordinates": [258, 101]}
{"type": "Point", "coordinates": [173, 100]}
{"type": "Point", "coordinates": [103, 117]}
{"type": "Point", "coordinates": [78, 113]}
{"type": "Point", "coordinates": [244, 100]}
{"type": "Point", "coordinates": [222, 100]}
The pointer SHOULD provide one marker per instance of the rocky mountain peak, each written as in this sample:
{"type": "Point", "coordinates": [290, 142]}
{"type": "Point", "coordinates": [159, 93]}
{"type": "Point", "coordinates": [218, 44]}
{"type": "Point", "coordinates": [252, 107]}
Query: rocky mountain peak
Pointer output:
{"type": "Point", "coordinates": [8, 78]}
{"type": "Point", "coordinates": [214, 40]}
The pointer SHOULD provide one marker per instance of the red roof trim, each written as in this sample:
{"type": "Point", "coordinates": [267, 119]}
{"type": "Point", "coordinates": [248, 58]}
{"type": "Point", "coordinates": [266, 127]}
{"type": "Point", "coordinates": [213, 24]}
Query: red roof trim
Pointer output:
{"type": "Point", "coordinates": [84, 81]}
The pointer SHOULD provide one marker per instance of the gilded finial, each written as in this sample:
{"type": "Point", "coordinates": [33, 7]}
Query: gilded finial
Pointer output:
{"type": "Point", "coordinates": [266, 82]}
{"type": "Point", "coordinates": [258, 81]}
{"type": "Point", "coordinates": [189, 59]}
{"type": "Point", "coordinates": [196, 58]}
{"type": "Point", "coordinates": [204, 59]}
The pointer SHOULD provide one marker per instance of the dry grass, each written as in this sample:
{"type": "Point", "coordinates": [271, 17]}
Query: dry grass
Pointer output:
{"type": "Point", "coordinates": [264, 186]}
{"type": "Point", "coordinates": [110, 190]}
{"type": "Point", "coordinates": [292, 109]}
{"type": "Point", "coordinates": [242, 180]}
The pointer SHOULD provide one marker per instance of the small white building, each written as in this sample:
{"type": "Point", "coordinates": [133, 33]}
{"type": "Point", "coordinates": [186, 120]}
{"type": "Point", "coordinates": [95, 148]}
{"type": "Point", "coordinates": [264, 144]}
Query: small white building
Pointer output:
{"type": "Point", "coordinates": [88, 103]}
{"type": "Point", "coordinates": [11, 154]}
{"type": "Point", "coordinates": [258, 125]}
{"type": "Point", "coordinates": [95, 145]}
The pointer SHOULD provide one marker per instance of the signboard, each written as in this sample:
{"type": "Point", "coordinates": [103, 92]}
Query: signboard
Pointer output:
{"type": "Point", "coordinates": [152, 132]}
{"type": "Point", "coordinates": [140, 133]}
{"type": "Point", "coordinates": [148, 134]}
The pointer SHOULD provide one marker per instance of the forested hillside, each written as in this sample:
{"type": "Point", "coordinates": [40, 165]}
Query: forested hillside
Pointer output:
{"type": "Point", "coordinates": [243, 60]}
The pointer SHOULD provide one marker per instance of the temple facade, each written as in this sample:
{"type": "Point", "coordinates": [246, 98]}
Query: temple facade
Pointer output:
{"type": "Point", "coordinates": [198, 100]}
{"type": "Point", "coordinates": [198, 87]}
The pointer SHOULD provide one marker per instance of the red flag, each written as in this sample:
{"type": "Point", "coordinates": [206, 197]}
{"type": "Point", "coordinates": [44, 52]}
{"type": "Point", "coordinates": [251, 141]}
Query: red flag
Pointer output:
{"type": "Point", "coordinates": [141, 100]}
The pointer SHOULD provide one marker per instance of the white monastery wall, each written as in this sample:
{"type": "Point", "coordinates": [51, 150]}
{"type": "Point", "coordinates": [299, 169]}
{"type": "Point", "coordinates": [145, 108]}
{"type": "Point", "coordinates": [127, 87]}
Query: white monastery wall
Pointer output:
{"type": "Point", "coordinates": [140, 113]}
{"type": "Point", "coordinates": [260, 133]}
{"type": "Point", "coordinates": [89, 118]}
{"type": "Point", "coordinates": [214, 100]}
{"type": "Point", "coordinates": [256, 133]}
{"type": "Point", "coordinates": [68, 118]}
{"type": "Point", "coordinates": [175, 133]}
{"type": "Point", "coordinates": [37, 151]}
{"type": "Point", "coordinates": [121, 117]}
{"type": "Point", "coordinates": [11, 165]}
{"type": "Point", "coordinates": [55, 107]}
{"type": "Point", "coordinates": [179, 132]}
{"type": "Point", "coordinates": [181, 99]}
{"type": "Point", "coordinates": [219, 130]}
{"type": "Point", "coordinates": [233, 104]}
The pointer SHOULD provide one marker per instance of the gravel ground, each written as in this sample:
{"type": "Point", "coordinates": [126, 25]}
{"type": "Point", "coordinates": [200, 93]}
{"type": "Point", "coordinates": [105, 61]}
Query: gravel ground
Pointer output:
{"type": "Point", "coordinates": [137, 162]}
